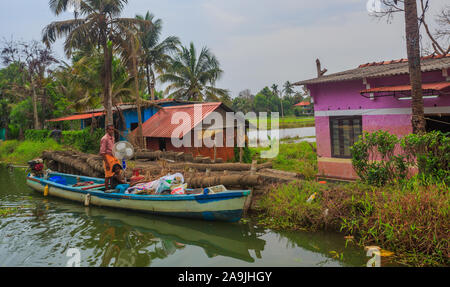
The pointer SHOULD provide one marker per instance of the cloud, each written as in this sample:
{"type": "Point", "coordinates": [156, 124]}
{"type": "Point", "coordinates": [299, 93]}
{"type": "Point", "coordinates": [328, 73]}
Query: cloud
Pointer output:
{"type": "Point", "coordinates": [289, 53]}
{"type": "Point", "coordinates": [220, 17]}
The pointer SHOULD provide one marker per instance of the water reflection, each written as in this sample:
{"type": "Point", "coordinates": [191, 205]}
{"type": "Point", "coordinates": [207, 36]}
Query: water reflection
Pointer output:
{"type": "Point", "coordinates": [43, 229]}
{"type": "Point", "coordinates": [128, 239]}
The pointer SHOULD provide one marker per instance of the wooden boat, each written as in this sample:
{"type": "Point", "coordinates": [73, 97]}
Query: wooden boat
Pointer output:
{"type": "Point", "coordinates": [222, 206]}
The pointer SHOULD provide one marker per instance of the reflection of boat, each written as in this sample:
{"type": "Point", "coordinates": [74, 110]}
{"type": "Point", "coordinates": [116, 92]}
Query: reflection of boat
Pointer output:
{"type": "Point", "coordinates": [223, 206]}
{"type": "Point", "coordinates": [216, 238]}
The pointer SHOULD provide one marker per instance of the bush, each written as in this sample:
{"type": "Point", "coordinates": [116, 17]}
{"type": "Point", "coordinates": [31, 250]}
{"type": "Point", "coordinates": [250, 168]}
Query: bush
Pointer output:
{"type": "Point", "coordinates": [83, 140]}
{"type": "Point", "coordinates": [430, 153]}
{"type": "Point", "coordinates": [375, 161]}
{"type": "Point", "coordinates": [37, 135]}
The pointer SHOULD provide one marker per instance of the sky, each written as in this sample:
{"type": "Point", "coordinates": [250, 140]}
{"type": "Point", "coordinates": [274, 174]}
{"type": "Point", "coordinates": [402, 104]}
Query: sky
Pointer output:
{"type": "Point", "coordinates": [257, 42]}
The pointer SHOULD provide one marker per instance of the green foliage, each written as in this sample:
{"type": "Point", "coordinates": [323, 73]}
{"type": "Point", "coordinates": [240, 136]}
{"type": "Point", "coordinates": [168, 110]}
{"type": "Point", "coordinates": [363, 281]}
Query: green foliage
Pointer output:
{"type": "Point", "coordinates": [410, 219]}
{"type": "Point", "coordinates": [268, 100]}
{"type": "Point", "coordinates": [37, 135]}
{"type": "Point", "coordinates": [21, 115]}
{"type": "Point", "coordinates": [192, 76]}
{"type": "Point", "coordinates": [379, 157]}
{"type": "Point", "coordinates": [247, 154]}
{"type": "Point", "coordinates": [83, 140]}
{"type": "Point", "coordinates": [430, 153]}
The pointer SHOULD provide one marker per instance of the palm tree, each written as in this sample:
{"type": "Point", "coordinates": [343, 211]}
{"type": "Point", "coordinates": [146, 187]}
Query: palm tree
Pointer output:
{"type": "Point", "coordinates": [155, 55]}
{"type": "Point", "coordinates": [276, 92]}
{"type": "Point", "coordinates": [287, 89]}
{"type": "Point", "coordinates": [193, 78]}
{"type": "Point", "coordinates": [101, 28]}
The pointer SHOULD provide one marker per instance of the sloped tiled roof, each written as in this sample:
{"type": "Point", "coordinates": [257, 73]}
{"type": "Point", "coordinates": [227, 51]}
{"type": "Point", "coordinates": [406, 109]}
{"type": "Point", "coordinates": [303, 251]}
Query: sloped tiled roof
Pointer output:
{"type": "Point", "coordinates": [382, 69]}
{"type": "Point", "coordinates": [160, 125]}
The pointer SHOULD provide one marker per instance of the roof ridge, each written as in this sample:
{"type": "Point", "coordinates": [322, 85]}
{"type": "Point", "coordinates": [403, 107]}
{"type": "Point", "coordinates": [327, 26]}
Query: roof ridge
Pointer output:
{"type": "Point", "coordinates": [403, 60]}
{"type": "Point", "coordinates": [191, 105]}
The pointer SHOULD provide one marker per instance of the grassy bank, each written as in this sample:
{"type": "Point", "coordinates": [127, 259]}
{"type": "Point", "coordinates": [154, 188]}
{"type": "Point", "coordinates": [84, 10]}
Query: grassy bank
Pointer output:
{"type": "Point", "coordinates": [409, 219]}
{"type": "Point", "coordinates": [19, 152]}
{"type": "Point", "coordinates": [294, 157]}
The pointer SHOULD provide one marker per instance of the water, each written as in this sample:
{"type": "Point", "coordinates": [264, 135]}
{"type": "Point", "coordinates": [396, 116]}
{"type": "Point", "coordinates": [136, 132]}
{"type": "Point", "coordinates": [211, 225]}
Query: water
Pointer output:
{"type": "Point", "coordinates": [43, 230]}
{"type": "Point", "coordinates": [302, 134]}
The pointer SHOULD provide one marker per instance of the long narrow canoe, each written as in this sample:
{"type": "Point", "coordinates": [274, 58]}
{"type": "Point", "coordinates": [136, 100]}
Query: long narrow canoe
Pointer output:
{"type": "Point", "coordinates": [223, 206]}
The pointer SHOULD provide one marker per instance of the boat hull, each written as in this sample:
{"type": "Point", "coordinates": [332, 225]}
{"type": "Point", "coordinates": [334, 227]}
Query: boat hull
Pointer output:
{"type": "Point", "coordinates": [224, 206]}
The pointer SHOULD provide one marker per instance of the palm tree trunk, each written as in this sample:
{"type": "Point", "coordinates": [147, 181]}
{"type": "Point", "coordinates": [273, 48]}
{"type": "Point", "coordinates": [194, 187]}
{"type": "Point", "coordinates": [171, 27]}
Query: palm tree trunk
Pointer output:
{"type": "Point", "coordinates": [149, 86]}
{"type": "Point", "coordinates": [138, 98]}
{"type": "Point", "coordinates": [153, 86]}
{"type": "Point", "coordinates": [107, 91]}
{"type": "Point", "coordinates": [35, 110]}
{"type": "Point", "coordinates": [415, 75]}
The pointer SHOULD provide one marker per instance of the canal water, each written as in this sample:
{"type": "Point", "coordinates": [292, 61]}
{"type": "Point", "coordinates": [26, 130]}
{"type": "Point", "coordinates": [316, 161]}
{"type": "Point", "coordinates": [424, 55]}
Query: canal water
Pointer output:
{"type": "Point", "coordinates": [41, 231]}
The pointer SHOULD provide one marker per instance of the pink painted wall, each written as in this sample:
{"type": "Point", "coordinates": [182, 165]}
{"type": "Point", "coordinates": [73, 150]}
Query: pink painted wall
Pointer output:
{"type": "Point", "coordinates": [345, 95]}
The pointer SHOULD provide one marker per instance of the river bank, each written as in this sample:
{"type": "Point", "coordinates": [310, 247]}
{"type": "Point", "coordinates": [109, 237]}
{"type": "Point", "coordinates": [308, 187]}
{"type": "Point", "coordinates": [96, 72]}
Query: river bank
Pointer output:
{"type": "Point", "coordinates": [409, 219]}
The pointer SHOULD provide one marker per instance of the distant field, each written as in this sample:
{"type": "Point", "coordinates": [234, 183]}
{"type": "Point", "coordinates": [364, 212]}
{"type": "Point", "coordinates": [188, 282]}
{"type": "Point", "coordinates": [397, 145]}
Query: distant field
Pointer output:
{"type": "Point", "coordinates": [287, 122]}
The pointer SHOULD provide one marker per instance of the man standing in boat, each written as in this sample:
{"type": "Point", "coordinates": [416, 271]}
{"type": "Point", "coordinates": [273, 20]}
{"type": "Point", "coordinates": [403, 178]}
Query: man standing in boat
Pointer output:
{"type": "Point", "coordinates": [106, 151]}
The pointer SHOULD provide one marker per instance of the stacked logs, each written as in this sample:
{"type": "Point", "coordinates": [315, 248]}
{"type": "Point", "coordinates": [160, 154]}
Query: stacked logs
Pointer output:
{"type": "Point", "coordinates": [74, 162]}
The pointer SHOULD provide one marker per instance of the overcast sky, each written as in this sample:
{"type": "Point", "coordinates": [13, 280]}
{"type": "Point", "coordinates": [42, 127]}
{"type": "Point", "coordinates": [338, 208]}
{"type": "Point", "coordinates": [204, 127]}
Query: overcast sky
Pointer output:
{"type": "Point", "coordinates": [258, 42]}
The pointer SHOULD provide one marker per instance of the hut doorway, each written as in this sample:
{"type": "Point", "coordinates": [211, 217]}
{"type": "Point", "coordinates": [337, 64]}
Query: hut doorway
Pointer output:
{"type": "Point", "coordinates": [162, 144]}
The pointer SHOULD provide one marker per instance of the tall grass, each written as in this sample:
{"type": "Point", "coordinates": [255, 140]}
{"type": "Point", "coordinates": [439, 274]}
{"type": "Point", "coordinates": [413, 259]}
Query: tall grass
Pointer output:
{"type": "Point", "coordinates": [411, 219]}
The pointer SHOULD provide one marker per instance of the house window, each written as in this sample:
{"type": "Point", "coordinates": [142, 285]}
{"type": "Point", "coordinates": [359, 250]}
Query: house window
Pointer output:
{"type": "Point", "coordinates": [344, 133]}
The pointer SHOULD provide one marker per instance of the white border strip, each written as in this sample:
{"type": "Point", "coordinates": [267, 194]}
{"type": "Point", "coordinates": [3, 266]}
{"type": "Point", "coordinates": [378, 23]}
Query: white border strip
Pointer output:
{"type": "Point", "coordinates": [379, 112]}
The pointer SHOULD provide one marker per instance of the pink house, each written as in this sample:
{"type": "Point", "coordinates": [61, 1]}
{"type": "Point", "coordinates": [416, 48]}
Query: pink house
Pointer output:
{"type": "Point", "coordinates": [374, 96]}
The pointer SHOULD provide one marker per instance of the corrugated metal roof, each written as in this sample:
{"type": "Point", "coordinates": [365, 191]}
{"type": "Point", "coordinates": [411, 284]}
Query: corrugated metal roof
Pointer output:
{"type": "Point", "coordinates": [77, 117]}
{"type": "Point", "coordinates": [382, 69]}
{"type": "Point", "coordinates": [302, 104]}
{"type": "Point", "coordinates": [127, 106]}
{"type": "Point", "coordinates": [160, 125]}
